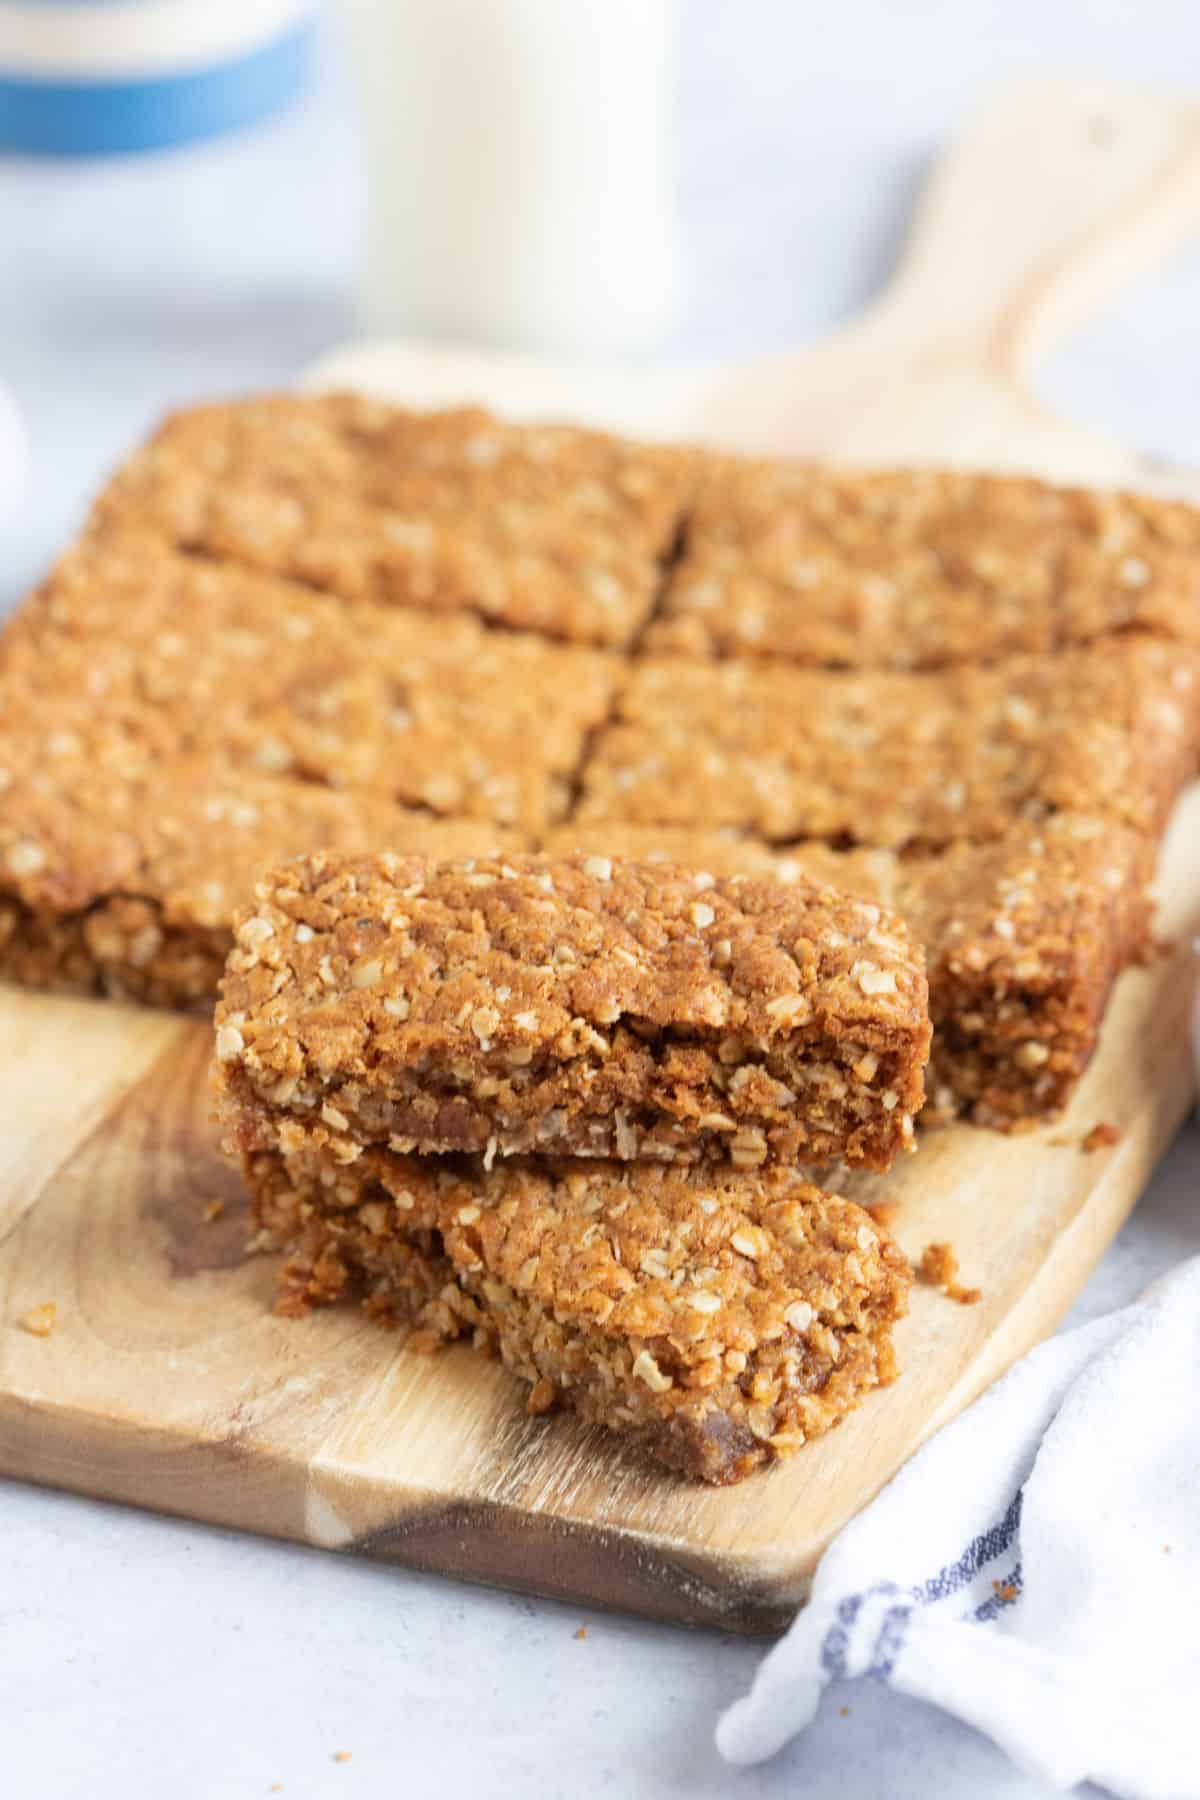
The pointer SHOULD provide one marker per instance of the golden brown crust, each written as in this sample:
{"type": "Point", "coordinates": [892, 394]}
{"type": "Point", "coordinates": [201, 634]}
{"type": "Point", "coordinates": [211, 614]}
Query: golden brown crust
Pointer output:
{"type": "Point", "coordinates": [891, 760]}
{"type": "Point", "coordinates": [120, 874]}
{"type": "Point", "coordinates": [181, 656]}
{"type": "Point", "coordinates": [720, 1320]}
{"type": "Point", "coordinates": [548, 528]}
{"type": "Point", "coordinates": [564, 531]}
{"type": "Point", "coordinates": [575, 1006]}
{"type": "Point", "coordinates": [918, 568]}
{"type": "Point", "coordinates": [1023, 941]}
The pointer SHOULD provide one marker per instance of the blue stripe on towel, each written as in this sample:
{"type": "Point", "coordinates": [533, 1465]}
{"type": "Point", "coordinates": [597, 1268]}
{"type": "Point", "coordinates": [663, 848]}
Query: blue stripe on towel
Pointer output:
{"type": "Point", "coordinates": [948, 1581]}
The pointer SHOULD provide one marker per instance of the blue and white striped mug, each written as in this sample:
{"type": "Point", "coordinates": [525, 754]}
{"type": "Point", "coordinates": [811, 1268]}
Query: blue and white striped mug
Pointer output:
{"type": "Point", "coordinates": [86, 77]}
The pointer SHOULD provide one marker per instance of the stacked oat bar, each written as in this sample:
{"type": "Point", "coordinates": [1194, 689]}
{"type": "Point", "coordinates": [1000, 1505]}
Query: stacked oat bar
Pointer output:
{"type": "Point", "coordinates": [559, 1103]}
{"type": "Point", "coordinates": [320, 626]}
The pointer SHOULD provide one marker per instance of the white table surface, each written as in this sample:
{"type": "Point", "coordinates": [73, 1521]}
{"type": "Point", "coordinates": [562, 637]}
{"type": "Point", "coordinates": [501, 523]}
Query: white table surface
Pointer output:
{"type": "Point", "coordinates": [144, 1657]}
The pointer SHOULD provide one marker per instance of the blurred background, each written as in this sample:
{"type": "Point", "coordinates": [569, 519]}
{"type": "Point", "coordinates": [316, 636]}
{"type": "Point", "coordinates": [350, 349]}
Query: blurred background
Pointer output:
{"type": "Point", "coordinates": [798, 141]}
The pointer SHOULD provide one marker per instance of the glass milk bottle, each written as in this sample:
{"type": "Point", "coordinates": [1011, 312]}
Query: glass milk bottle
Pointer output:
{"type": "Point", "coordinates": [519, 173]}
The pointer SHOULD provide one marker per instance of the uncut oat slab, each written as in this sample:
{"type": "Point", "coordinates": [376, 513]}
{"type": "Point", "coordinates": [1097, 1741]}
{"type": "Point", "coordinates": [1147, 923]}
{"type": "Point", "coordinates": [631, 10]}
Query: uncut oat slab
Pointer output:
{"type": "Point", "coordinates": [916, 568]}
{"type": "Point", "coordinates": [575, 1006]}
{"type": "Point", "coordinates": [547, 528]}
{"type": "Point", "coordinates": [1023, 937]}
{"type": "Point", "coordinates": [718, 1319]}
{"type": "Point", "coordinates": [891, 760]}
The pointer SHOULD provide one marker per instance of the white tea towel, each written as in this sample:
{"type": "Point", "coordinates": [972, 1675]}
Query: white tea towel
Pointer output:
{"type": "Point", "coordinates": [14, 456]}
{"type": "Point", "coordinates": [1034, 1569]}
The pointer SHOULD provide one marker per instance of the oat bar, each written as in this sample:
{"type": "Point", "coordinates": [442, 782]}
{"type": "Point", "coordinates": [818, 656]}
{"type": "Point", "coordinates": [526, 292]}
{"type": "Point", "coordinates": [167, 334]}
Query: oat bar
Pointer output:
{"type": "Point", "coordinates": [1023, 938]}
{"type": "Point", "coordinates": [192, 657]}
{"type": "Point", "coordinates": [549, 528]}
{"type": "Point", "coordinates": [119, 874]}
{"type": "Point", "coordinates": [576, 1006]}
{"type": "Point", "coordinates": [719, 1319]}
{"type": "Point", "coordinates": [917, 568]}
{"type": "Point", "coordinates": [892, 760]}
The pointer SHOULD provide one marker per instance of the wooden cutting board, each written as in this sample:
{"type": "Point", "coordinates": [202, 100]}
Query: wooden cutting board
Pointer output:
{"type": "Point", "coordinates": [169, 1383]}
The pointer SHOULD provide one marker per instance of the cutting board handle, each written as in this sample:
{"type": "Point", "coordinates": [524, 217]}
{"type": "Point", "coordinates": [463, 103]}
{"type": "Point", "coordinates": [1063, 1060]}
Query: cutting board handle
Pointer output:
{"type": "Point", "coordinates": [1055, 195]}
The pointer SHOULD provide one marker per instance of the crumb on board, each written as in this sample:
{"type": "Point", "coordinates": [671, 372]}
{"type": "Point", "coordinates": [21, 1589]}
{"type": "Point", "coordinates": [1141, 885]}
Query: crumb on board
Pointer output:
{"type": "Point", "coordinates": [341, 1756]}
{"type": "Point", "coordinates": [213, 1211]}
{"type": "Point", "coordinates": [938, 1268]}
{"type": "Point", "coordinates": [1005, 1592]}
{"type": "Point", "coordinates": [1101, 1137]}
{"type": "Point", "coordinates": [40, 1321]}
{"type": "Point", "coordinates": [844, 1711]}
{"type": "Point", "coordinates": [885, 1213]}
{"type": "Point", "coordinates": [581, 1633]}
{"type": "Point", "coordinates": [543, 1396]}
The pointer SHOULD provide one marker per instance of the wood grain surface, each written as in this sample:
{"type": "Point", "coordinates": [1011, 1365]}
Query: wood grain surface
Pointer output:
{"type": "Point", "coordinates": [169, 1383]}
